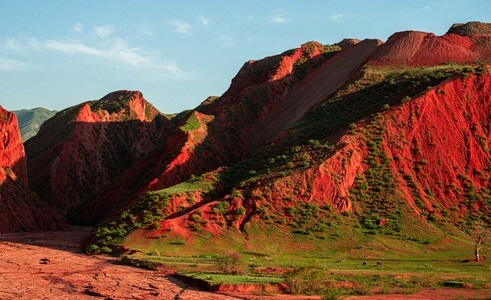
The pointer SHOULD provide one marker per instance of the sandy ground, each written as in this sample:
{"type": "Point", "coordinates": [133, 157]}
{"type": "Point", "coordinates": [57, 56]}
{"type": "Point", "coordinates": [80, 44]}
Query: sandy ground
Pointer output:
{"type": "Point", "coordinates": [49, 265]}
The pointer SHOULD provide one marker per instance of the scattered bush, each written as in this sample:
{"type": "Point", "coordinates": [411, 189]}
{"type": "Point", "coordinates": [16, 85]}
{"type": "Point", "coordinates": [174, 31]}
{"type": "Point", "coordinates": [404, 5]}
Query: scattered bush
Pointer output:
{"type": "Point", "coordinates": [232, 263]}
{"type": "Point", "coordinates": [305, 280]}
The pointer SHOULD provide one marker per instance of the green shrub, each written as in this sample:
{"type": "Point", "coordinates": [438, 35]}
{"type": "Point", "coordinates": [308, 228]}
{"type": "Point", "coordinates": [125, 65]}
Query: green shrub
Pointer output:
{"type": "Point", "coordinates": [240, 211]}
{"type": "Point", "coordinates": [305, 280]}
{"type": "Point", "coordinates": [232, 263]}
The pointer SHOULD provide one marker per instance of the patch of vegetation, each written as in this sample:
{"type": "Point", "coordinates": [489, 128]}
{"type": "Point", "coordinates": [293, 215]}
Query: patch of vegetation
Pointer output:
{"type": "Point", "coordinates": [216, 278]}
{"type": "Point", "coordinates": [192, 124]}
{"type": "Point", "coordinates": [111, 104]}
{"type": "Point", "coordinates": [147, 212]}
{"type": "Point", "coordinates": [232, 263]}
{"type": "Point", "coordinates": [138, 263]}
{"type": "Point", "coordinates": [374, 194]}
{"type": "Point", "coordinates": [150, 208]}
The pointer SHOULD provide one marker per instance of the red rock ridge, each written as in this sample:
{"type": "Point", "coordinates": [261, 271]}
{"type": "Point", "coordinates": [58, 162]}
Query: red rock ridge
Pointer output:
{"type": "Point", "coordinates": [414, 48]}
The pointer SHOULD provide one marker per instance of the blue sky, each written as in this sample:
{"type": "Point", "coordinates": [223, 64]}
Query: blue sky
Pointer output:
{"type": "Point", "coordinates": [58, 53]}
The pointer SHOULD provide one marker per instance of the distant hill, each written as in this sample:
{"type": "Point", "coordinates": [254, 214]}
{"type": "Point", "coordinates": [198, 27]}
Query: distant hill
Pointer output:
{"type": "Point", "coordinates": [30, 120]}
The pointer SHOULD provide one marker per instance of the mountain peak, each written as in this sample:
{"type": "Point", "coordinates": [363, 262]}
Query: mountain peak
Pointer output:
{"type": "Point", "coordinates": [119, 105]}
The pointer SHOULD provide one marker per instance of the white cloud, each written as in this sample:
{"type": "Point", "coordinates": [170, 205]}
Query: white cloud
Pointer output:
{"type": "Point", "coordinates": [335, 17]}
{"type": "Point", "coordinates": [78, 27]}
{"type": "Point", "coordinates": [426, 7]}
{"type": "Point", "coordinates": [204, 21]}
{"type": "Point", "coordinates": [7, 64]}
{"type": "Point", "coordinates": [104, 31]}
{"type": "Point", "coordinates": [118, 52]}
{"type": "Point", "coordinates": [278, 19]}
{"type": "Point", "coordinates": [72, 47]}
{"type": "Point", "coordinates": [115, 50]}
{"type": "Point", "coordinates": [181, 27]}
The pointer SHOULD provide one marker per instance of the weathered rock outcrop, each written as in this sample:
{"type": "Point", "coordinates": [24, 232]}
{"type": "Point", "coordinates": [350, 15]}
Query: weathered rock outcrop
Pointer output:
{"type": "Point", "coordinates": [20, 208]}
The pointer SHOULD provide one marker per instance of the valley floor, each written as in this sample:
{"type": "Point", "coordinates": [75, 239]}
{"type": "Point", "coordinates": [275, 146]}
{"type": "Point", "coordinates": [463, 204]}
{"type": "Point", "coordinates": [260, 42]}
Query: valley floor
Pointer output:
{"type": "Point", "coordinates": [49, 265]}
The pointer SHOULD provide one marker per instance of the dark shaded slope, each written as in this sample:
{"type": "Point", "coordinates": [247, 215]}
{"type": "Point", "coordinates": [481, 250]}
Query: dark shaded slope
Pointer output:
{"type": "Point", "coordinates": [83, 148]}
{"type": "Point", "coordinates": [319, 85]}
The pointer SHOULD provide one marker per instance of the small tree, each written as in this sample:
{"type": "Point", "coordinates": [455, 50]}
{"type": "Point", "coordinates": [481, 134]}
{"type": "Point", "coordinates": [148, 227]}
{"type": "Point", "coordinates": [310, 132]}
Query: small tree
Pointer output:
{"type": "Point", "coordinates": [479, 233]}
{"type": "Point", "coordinates": [232, 263]}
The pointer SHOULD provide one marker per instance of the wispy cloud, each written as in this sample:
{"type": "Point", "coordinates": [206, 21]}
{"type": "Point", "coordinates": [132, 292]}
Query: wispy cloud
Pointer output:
{"type": "Point", "coordinates": [181, 27]}
{"type": "Point", "coordinates": [278, 19]}
{"type": "Point", "coordinates": [9, 44]}
{"type": "Point", "coordinates": [7, 64]}
{"type": "Point", "coordinates": [78, 27]}
{"type": "Point", "coordinates": [426, 7]}
{"type": "Point", "coordinates": [205, 21]}
{"type": "Point", "coordinates": [103, 31]}
{"type": "Point", "coordinates": [116, 50]}
{"type": "Point", "coordinates": [335, 17]}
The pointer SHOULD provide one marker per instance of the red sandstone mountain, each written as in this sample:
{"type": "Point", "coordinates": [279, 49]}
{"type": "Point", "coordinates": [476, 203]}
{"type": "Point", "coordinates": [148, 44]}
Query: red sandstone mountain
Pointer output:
{"type": "Point", "coordinates": [20, 209]}
{"type": "Point", "coordinates": [387, 132]}
{"type": "Point", "coordinates": [83, 148]}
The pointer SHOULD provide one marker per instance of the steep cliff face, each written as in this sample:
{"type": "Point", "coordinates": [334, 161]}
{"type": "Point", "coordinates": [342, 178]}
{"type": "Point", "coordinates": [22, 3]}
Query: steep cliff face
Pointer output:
{"type": "Point", "coordinates": [20, 209]}
{"type": "Point", "coordinates": [13, 158]}
{"type": "Point", "coordinates": [83, 148]}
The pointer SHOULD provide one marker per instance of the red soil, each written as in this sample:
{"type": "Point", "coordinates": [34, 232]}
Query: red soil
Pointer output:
{"type": "Point", "coordinates": [450, 128]}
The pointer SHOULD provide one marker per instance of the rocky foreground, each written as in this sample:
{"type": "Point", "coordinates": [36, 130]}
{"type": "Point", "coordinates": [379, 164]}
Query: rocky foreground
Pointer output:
{"type": "Point", "coordinates": [49, 265]}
